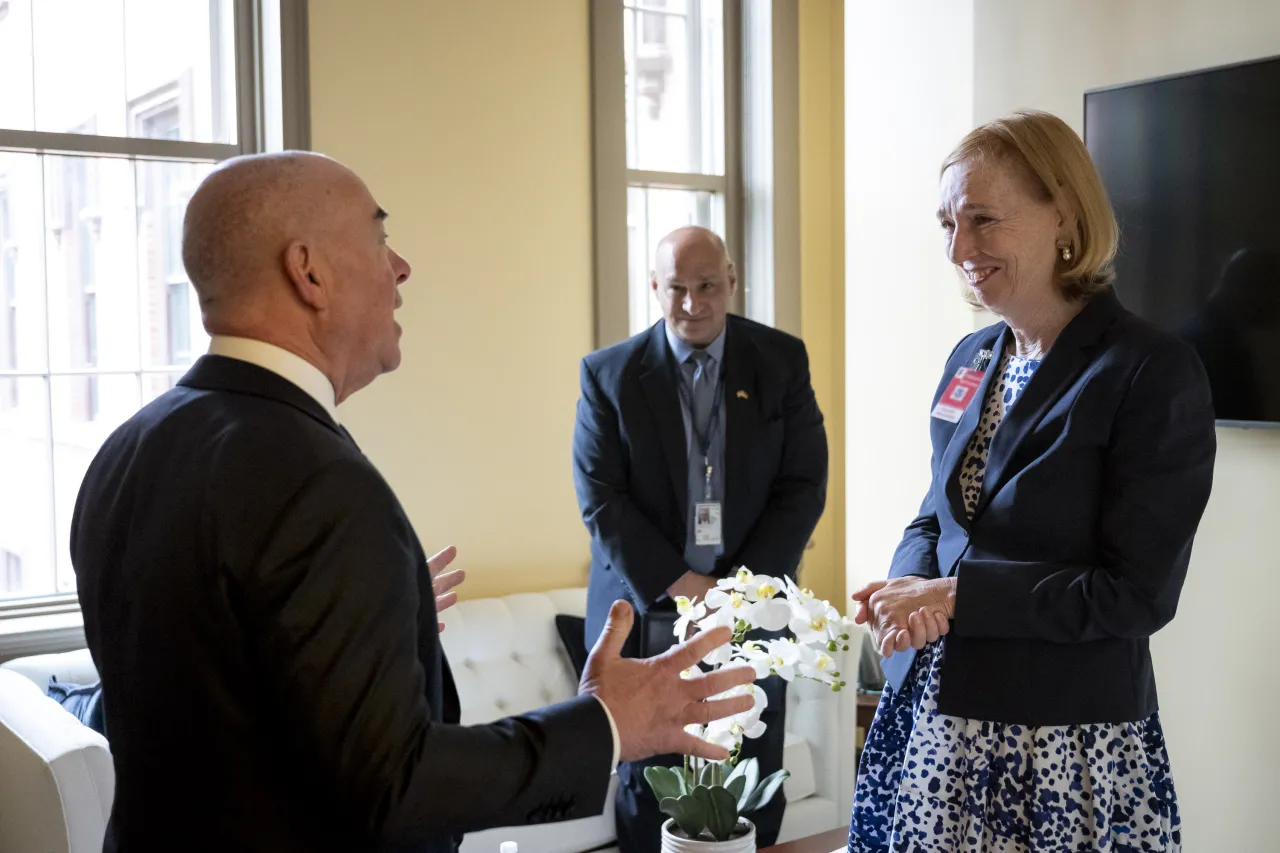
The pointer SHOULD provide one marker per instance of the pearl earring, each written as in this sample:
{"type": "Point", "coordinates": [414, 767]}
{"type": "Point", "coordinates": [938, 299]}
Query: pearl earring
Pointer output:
{"type": "Point", "coordinates": [1066, 253]}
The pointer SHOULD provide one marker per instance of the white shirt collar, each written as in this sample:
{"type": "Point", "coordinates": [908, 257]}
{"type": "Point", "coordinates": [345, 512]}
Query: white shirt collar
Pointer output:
{"type": "Point", "coordinates": [281, 362]}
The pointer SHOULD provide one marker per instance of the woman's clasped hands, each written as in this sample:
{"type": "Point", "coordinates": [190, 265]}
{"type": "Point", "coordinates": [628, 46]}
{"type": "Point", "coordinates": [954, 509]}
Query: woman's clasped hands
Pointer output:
{"type": "Point", "coordinates": [907, 612]}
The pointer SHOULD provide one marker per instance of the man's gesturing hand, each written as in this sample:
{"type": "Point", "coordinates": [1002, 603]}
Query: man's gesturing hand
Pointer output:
{"type": "Point", "coordinates": [443, 582]}
{"type": "Point", "coordinates": [650, 703]}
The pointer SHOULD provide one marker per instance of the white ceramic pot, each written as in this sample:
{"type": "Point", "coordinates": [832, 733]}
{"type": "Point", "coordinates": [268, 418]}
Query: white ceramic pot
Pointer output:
{"type": "Point", "coordinates": [677, 843]}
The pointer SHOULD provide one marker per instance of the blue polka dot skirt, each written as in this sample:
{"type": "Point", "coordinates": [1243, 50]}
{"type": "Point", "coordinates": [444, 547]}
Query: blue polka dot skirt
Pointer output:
{"type": "Point", "coordinates": [932, 782]}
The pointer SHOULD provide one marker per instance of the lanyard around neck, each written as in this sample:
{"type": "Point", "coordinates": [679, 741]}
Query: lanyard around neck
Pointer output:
{"type": "Point", "coordinates": [703, 438]}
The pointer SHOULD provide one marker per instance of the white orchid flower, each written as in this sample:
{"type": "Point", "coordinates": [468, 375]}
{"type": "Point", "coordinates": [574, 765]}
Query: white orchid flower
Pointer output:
{"type": "Point", "coordinates": [811, 621]}
{"type": "Point", "coordinates": [760, 701]}
{"type": "Point", "coordinates": [690, 613]}
{"type": "Point", "coordinates": [763, 588]}
{"type": "Point", "coordinates": [755, 656]}
{"type": "Point", "coordinates": [769, 610]}
{"type": "Point", "coordinates": [754, 587]}
{"type": "Point", "coordinates": [795, 592]}
{"type": "Point", "coordinates": [724, 734]}
{"type": "Point", "coordinates": [837, 625]}
{"type": "Point", "coordinates": [817, 665]}
{"type": "Point", "coordinates": [745, 582]}
{"type": "Point", "coordinates": [784, 658]}
{"type": "Point", "coordinates": [758, 696]}
{"type": "Point", "coordinates": [733, 606]}
{"type": "Point", "coordinates": [729, 732]}
{"type": "Point", "coordinates": [721, 598]}
{"type": "Point", "coordinates": [759, 601]}
{"type": "Point", "coordinates": [722, 616]}
{"type": "Point", "coordinates": [737, 729]}
{"type": "Point", "coordinates": [747, 601]}
{"type": "Point", "coordinates": [771, 614]}
{"type": "Point", "coordinates": [717, 658]}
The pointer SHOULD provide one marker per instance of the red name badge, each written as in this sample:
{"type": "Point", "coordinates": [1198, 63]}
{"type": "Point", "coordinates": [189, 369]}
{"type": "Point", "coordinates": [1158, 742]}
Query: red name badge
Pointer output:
{"type": "Point", "coordinates": [961, 390]}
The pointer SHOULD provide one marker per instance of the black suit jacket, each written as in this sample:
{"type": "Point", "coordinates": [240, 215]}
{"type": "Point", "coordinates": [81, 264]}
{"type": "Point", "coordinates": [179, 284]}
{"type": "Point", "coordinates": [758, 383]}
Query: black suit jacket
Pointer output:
{"type": "Point", "coordinates": [1094, 486]}
{"type": "Point", "coordinates": [261, 614]}
{"type": "Point", "coordinates": [630, 464]}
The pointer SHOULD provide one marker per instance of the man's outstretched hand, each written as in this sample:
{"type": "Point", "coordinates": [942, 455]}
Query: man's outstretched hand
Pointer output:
{"type": "Point", "coordinates": [442, 582]}
{"type": "Point", "coordinates": [650, 702]}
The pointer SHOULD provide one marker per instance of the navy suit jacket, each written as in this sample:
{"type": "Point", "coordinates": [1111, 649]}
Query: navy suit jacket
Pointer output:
{"type": "Point", "coordinates": [262, 617]}
{"type": "Point", "coordinates": [631, 464]}
{"type": "Point", "coordinates": [1094, 486]}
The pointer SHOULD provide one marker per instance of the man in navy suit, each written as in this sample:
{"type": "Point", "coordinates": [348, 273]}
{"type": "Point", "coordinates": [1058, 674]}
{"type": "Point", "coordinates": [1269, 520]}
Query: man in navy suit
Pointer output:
{"type": "Point", "coordinates": [699, 449]}
{"type": "Point", "coordinates": [257, 603]}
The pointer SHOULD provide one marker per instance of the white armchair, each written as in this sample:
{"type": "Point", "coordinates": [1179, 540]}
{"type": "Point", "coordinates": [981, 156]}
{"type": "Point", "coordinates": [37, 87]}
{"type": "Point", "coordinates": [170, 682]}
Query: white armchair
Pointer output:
{"type": "Point", "coordinates": [56, 778]}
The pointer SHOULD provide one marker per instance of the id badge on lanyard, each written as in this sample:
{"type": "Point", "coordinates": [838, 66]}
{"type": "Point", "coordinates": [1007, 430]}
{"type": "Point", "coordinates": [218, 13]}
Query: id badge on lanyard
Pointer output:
{"type": "Point", "coordinates": [708, 512]}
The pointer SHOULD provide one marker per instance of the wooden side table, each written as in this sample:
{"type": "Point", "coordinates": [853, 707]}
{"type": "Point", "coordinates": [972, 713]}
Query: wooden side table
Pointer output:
{"type": "Point", "coordinates": [823, 842]}
{"type": "Point", "coordinates": [867, 704]}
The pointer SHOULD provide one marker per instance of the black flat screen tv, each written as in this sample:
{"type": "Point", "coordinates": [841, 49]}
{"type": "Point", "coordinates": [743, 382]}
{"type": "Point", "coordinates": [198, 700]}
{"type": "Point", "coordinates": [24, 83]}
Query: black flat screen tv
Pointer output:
{"type": "Point", "coordinates": [1192, 165]}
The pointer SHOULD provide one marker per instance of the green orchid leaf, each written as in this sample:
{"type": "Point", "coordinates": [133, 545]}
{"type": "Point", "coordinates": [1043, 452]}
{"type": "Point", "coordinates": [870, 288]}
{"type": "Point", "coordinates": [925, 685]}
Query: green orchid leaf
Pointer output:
{"type": "Point", "coordinates": [722, 813]}
{"type": "Point", "coordinates": [707, 801]}
{"type": "Point", "coordinates": [735, 787]}
{"type": "Point", "coordinates": [750, 775]}
{"type": "Point", "coordinates": [761, 796]}
{"type": "Point", "coordinates": [739, 769]}
{"type": "Point", "coordinates": [665, 782]}
{"type": "Point", "coordinates": [688, 813]}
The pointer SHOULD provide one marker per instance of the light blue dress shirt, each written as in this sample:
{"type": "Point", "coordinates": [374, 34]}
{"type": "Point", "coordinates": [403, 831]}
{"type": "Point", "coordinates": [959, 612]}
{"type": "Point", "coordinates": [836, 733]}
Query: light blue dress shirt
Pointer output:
{"type": "Point", "coordinates": [701, 559]}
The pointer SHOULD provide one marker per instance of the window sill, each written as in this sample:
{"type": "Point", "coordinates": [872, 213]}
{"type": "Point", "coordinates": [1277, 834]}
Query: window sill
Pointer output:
{"type": "Point", "coordinates": [40, 634]}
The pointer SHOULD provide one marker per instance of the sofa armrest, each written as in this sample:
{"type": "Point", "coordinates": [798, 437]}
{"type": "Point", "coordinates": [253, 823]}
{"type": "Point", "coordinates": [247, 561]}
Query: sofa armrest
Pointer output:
{"type": "Point", "coordinates": [56, 776]}
{"type": "Point", "coordinates": [75, 667]}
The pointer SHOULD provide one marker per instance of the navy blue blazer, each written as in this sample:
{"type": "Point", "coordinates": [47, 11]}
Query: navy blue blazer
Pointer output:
{"type": "Point", "coordinates": [1076, 554]}
{"type": "Point", "coordinates": [630, 464]}
{"type": "Point", "coordinates": [261, 614]}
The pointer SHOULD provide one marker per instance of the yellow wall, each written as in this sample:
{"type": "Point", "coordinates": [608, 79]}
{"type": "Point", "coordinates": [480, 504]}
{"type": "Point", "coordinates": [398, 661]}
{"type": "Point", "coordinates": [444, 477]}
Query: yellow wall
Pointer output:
{"type": "Point", "coordinates": [908, 100]}
{"type": "Point", "coordinates": [822, 265]}
{"type": "Point", "coordinates": [476, 137]}
{"type": "Point", "coordinates": [471, 123]}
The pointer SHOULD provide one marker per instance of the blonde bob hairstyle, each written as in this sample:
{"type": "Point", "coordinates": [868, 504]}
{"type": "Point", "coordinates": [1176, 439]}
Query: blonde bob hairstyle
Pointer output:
{"type": "Point", "coordinates": [1058, 168]}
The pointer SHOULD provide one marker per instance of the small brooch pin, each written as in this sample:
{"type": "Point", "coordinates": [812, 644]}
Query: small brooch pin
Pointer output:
{"type": "Point", "coordinates": [742, 395]}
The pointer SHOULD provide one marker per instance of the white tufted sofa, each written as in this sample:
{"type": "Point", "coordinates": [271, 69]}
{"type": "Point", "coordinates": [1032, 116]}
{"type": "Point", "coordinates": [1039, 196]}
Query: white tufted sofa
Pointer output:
{"type": "Point", "coordinates": [506, 657]}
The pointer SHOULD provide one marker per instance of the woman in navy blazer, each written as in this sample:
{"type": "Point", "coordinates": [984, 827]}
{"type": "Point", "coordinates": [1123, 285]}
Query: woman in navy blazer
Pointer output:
{"type": "Point", "coordinates": [1073, 449]}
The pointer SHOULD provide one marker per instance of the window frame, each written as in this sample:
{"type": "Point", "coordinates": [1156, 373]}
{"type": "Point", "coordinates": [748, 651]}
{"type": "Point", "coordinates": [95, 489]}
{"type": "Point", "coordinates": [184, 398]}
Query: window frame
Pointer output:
{"type": "Point", "coordinates": [12, 566]}
{"type": "Point", "coordinates": [761, 181]}
{"type": "Point", "coordinates": [8, 306]}
{"type": "Point", "coordinates": [49, 622]}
